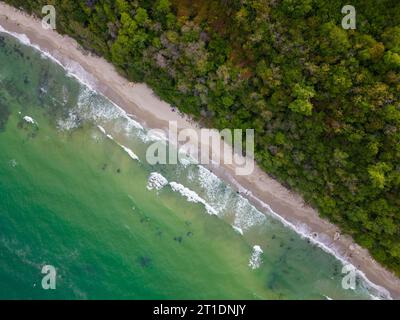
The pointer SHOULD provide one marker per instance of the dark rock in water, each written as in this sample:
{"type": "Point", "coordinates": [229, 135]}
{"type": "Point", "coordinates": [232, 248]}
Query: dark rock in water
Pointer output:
{"type": "Point", "coordinates": [18, 51]}
{"type": "Point", "coordinates": [285, 271]}
{"type": "Point", "coordinates": [335, 271]}
{"type": "Point", "coordinates": [159, 232]}
{"type": "Point", "coordinates": [189, 234]}
{"type": "Point", "coordinates": [273, 236]}
{"type": "Point", "coordinates": [32, 135]}
{"type": "Point", "coordinates": [144, 219]}
{"type": "Point", "coordinates": [89, 269]}
{"type": "Point", "coordinates": [144, 261]}
{"type": "Point", "coordinates": [178, 239]}
{"type": "Point", "coordinates": [4, 115]}
{"type": "Point", "coordinates": [272, 282]}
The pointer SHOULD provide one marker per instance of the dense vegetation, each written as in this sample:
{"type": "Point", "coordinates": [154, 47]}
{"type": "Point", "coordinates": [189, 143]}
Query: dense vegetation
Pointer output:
{"type": "Point", "coordinates": [324, 101]}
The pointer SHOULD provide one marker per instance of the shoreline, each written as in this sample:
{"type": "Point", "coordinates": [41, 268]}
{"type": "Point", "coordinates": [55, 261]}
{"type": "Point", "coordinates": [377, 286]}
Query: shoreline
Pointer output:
{"type": "Point", "coordinates": [139, 100]}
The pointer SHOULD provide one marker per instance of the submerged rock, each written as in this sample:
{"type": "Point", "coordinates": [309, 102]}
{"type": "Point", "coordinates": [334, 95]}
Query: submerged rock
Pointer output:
{"type": "Point", "coordinates": [144, 261]}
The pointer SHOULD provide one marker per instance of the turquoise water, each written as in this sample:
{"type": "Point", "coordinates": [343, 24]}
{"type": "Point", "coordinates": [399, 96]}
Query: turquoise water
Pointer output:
{"type": "Point", "coordinates": [73, 198]}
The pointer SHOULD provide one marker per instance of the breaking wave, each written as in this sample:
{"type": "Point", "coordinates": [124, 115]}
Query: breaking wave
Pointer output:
{"type": "Point", "coordinates": [256, 258]}
{"type": "Point", "coordinates": [191, 196]}
{"type": "Point", "coordinates": [156, 181]}
{"type": "Point", "coordinates": [126, 149]}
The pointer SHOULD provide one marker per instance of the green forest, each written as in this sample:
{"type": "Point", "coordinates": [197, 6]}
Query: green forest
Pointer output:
{"type": "Point", "coordinates": [324, 101]}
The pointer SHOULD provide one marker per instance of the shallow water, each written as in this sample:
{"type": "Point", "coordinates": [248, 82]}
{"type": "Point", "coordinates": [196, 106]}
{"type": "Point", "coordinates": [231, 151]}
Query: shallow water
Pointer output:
{"type": "Point", "coordinates": [74, 198]}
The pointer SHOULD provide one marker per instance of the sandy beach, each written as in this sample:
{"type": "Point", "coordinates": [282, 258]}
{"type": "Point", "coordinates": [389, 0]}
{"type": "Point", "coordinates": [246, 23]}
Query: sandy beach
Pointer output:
{"type": "Point", "coordinates": [139, 101]}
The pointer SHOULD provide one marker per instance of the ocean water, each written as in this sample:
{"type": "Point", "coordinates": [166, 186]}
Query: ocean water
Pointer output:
{"type": "Point", "coordinates": [76, 193]}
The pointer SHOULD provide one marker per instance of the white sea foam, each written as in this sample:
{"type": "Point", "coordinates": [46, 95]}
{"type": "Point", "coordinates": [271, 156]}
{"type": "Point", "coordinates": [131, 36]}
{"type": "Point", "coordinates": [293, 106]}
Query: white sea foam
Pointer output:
{"type": "Point", "coordinates": [21, 37]}
{"type": "Point", "coordinates": [225, 200]}
{"type": "Point", "coordinates": [156, 181]}
{"type": "Point", "coordinates": [256, 257]}
{"type": "Point", "coordinates": [156, 135]}
{"type": "Point", "coordinates": [126, 124]}
{"type": "Point", "coordinates": [246, 215]}
{"type": "Point", "coordinates": [126, 149]}
{"type": "Point", "coordinates": [374, 297]}
{"type": "Point", "coordinates": [131, 126]}
{"type": "Point", "coordinates": [185, 161]}
{"type": "Point", "coordinates": [103, 131]}
{"type": "Point", "coordinates": [90, 107]}
{"type": "Point", "coordinates": [129, 152]}
{"type": "Point", "coordinates": [191, 196]}
{"type": "Point", "coordinates": [69, 123]}
{"type": "Point", "coordinates": [13, 163]}
{"type": "Point", "coordinates": [29, 120]}
{"type": "Point", "coordinates": [77, 71]}
{"type": "Point", "coordinates": [218, 194]}
{"type": "Point", "coordinates": [207, 178]}
{"type": "Point", "coordinates": [238, 230]}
